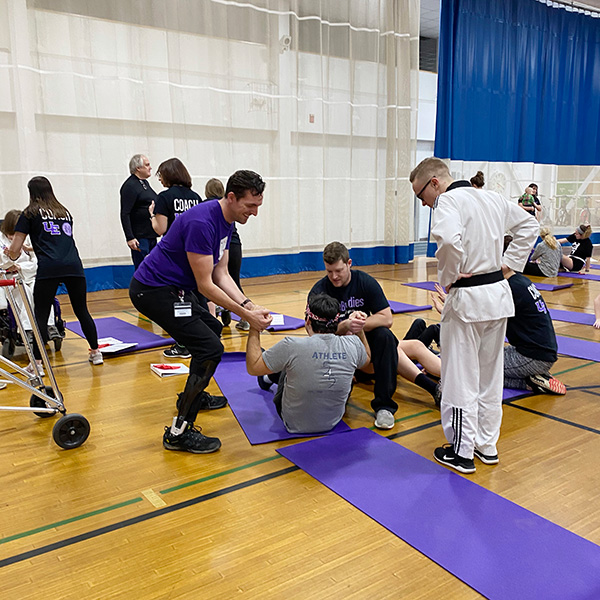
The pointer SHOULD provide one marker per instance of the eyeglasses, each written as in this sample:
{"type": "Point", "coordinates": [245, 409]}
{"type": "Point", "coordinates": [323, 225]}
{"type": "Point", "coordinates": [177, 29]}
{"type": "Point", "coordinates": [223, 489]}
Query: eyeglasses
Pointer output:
{"type": "Point", "coordinates": [143, 182]}
{"type": "Point", "coordinates": [423, 189]}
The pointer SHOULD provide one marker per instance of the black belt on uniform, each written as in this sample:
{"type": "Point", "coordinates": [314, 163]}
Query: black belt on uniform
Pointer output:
{"type": "Point", "coordinates": [482, 279]}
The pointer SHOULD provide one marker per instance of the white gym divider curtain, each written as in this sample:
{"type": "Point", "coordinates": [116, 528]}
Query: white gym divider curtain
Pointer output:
{"type": "Point", "coordinates": [319, 96]}
{"type": "Point", "coordinates": [569, 195]}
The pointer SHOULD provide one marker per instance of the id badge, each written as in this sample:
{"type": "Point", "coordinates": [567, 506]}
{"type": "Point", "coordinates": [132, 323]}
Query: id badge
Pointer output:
{"type": "Point", "coordinates": [182, 309]}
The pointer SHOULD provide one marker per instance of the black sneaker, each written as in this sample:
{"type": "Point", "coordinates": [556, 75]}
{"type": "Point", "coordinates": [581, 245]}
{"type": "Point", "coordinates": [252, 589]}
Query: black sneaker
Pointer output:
{"type": "Point", "coordinates": [177, 351]}
{"type": "Point", "coordinates": [262, 384]}
{"type": "Point", "coordinates": [446, 455]}
{"type": "Point", "coordinates": [225, 317]}
{"type": "Point", "coordinates": [486, 459]}
{"type": "Point", "coordinates": [207, 402]}
{"type": "Point", "coordinates": [191, 440]}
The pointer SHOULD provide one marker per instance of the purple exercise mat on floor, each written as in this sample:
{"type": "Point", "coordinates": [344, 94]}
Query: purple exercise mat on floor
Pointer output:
{"type": "Point", "coordinates": [253, 407]}
{"type": "Point", "coordinates": [126, 332]}
{"type": "Point", "coordinates": [576, 348]}
{"type": "Point", "coordinates": [288, 323]}
{"type": "Point", "coordinates": [572, 317]}
{"type": "Point", "coordinates": [512, 394]}
{"type": "Point", "coordinates": [589, 276]}
{"type": "Point", "coordinates": [543, 287]}
{"type": "Point", "coordinates": [424, 285]}
{"type": "Point", "coordinates": [496, 547]}
{"type": "Point", "coordinates": [552, 287]}
{"type": "Point", "coordinates": [401, 307]}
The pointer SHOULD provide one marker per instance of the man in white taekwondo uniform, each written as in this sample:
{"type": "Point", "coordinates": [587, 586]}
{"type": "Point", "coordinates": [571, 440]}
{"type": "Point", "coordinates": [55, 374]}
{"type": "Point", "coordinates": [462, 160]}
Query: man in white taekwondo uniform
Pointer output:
{"type": "Point", "coordinates": [468, 225]}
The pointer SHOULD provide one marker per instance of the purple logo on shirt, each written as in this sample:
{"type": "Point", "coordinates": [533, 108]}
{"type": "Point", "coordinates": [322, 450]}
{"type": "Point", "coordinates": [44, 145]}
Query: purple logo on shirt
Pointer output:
{"type": "Point", "coordinates": [67, 229]}
{"type": "Point", "coordinates": [51, 227]}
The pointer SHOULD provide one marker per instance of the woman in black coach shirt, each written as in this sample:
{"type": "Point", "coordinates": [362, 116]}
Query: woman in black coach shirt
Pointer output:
{"type": "Point", "coordinates": [50, 228]}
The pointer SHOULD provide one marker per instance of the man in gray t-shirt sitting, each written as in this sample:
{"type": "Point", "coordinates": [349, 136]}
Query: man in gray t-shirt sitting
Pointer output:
{"type": "Point", "coordinates": [314, 373]}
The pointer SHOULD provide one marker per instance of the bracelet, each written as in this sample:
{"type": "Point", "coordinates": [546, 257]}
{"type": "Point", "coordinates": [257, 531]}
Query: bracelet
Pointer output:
{"type": "Point", "coordinates": [245, 302]}
{"type": "Point", "coordinates": [152, 216]}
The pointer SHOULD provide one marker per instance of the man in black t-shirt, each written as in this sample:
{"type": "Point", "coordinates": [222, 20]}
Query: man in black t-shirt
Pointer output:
{"type": "Point", "coordinates": [358, 291]}
{"type": "Point", "coordinates": [136, 197]}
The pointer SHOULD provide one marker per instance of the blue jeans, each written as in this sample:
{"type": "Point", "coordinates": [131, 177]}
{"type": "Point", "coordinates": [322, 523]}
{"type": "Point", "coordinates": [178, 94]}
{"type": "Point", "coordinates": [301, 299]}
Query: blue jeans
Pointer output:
{"type": "Point", "coordinates": [146, 245]}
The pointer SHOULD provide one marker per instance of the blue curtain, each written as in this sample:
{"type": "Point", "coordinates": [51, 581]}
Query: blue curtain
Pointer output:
{"type": "Point", "coordinates": [518, 81]}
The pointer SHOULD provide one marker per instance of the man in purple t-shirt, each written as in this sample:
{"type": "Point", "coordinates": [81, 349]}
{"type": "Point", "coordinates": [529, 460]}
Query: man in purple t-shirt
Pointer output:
{"type": "Point", "coordinates": [194, 255]}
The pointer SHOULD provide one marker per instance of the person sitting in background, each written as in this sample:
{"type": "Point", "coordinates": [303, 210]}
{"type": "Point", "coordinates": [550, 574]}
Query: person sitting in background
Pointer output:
{"type": "Point", "coordinates": [314, 373]}
{"type": "Point", "coordinates": [597, 311]}
{"type": "Point", "coordinates": [529, 202]}
{"type": "Point", "coordinates": [478, 180]}
{"type": "Point", "coordinates": [581, 250]}
{"type": "Point", "coordinates": [545, 260]}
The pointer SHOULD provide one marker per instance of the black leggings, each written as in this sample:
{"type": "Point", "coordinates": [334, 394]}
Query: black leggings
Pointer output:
{"type": "Point", "coordinates": [532, 268]}
{"type": "Point", "coordinates": [43, 298]}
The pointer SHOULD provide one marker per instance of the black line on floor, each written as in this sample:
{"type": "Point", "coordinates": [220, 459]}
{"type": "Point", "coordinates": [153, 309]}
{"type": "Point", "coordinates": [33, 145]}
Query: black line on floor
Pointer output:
{"type": "Point", "coordinates": [11, 560]}
{"type": "Point", "coordinates": [413, 430]}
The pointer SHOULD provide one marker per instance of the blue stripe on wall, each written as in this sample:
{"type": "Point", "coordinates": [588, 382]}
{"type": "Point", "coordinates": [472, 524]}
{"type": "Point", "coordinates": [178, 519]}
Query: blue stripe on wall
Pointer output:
{"type": "Point", "coordinates": [119, 276]}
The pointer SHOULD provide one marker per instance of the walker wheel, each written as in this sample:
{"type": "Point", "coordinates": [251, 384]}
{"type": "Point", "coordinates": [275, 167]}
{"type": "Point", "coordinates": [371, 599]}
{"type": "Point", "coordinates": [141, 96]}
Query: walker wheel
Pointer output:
{"type": "Point", "coordinates": [37, 402]}
{"type": "Point", "coordinates": [70, 431]}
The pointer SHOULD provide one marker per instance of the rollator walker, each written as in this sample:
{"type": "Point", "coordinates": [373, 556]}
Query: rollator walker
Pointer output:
{"type": "Point", "coordinates": [70, 431]}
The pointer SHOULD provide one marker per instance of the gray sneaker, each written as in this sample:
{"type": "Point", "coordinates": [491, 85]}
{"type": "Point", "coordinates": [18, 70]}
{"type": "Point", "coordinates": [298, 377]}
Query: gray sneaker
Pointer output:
{"type": "Point", "coordinates": [243, 325]}
{"type": "Point", "coordinates": [384, 419]}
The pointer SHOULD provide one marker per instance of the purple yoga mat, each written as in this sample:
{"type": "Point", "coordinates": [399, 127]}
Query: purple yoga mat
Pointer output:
{"type": "Point", "coordinates": [253, 407]}
{"type": "Point", "coordinates": [543, 287]}
{"type": "Point", "coordinates": [401, 307]}
{"type": "Point", "coordinates": [493, 545]}
{"type": "Point", "coordinates": [575, 348]}
{"type": "Point", "coordinates": [126, 332]}
{"type": "Point", "coordinates": [512, 394]}
{"type": "Point", "coordinates": [572, 317]}
{"type": "Point", "coordinates": [550, 287]}
{"type": "Point", "coordinates": [288, 323]}
{"type": "Point", "coordinates": [424, 285]}
{"type": "Point", "coordinates": [590, 276]}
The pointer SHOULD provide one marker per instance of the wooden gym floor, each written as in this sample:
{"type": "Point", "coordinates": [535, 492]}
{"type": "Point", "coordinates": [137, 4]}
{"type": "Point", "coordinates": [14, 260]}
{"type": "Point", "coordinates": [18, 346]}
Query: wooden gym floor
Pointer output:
{"type": "Point", "coordinates": [120, 517]}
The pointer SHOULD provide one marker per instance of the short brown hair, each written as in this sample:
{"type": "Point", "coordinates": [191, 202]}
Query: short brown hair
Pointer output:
{"type": "Point", "coordinates": [335, 251]}
{"type": "Point", "coordinates": [10, 222]}
{"type": "Point", "coordinates": [428, 168]}
{"type": "Point", "coordinates": [173, 172]}
{"type": "Point", "coordinates": [214, 189]}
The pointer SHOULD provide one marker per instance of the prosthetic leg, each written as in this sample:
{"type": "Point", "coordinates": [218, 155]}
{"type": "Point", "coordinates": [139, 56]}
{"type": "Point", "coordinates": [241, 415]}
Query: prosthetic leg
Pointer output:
{"type": "Point", "coordinates": [193, 398]}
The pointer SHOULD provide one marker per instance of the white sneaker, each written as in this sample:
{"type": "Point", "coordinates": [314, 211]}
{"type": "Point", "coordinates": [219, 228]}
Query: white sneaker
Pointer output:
{"type": "Point", "coordinates": [95, 357]}
{"type": "Point", "coordinates": [29, 368]}
{"type": "Point", "coordinates": [384, 419]}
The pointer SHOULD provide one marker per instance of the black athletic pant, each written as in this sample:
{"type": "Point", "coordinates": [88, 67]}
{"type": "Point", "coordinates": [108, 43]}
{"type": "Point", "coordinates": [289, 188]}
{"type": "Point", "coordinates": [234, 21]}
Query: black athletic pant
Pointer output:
{"type": "Point", "coordinates": [532, 268]}
{"type": "Point", "coordinates": [384, 356]}
{"type": "Point", "coordinates": [44, 291]}
{"type": "Point", "coordinates": [199, 333]}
